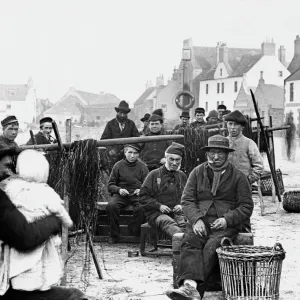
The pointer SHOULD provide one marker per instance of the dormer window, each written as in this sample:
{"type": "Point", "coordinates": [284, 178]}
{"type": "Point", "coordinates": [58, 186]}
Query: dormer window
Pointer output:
{"type": "Point", "coordinates": [221, 72]}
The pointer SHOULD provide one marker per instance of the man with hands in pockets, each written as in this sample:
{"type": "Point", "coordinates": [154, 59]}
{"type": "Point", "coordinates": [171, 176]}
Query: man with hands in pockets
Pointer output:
{"type": "Point", "coordinates": [216, 202]}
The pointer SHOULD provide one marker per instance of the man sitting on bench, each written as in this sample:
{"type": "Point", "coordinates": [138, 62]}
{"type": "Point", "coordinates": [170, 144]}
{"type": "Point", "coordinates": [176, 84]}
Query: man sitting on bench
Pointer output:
{"type": "Point", "coordinates": [216, 201]}
{"type": "Point", "coordinates": [124, 184]}
{"type": "Point", "coordinates": [161, 193]}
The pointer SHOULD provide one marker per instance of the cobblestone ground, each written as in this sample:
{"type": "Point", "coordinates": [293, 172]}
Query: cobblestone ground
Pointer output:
{"type": "Point", "coordinates": [148, 277]}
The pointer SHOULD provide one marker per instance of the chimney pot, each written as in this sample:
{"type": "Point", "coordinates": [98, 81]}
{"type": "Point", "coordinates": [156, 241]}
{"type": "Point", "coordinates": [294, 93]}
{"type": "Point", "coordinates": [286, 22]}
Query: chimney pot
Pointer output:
{"type": "Point", "coordinates": [268, 48]}
{"type": "Point", "coordinates": [297, 45]}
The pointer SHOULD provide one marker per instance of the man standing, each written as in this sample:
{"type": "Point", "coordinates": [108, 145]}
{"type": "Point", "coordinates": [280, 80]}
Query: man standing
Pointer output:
{"type": "Point", "coordinates": [216, 201]}
{"type": "Point", "coordinates": [124, 184]}
{"type": "Point", "coordinates": [246, 156]}
{"type": "Point", "coordinates": [119, 127]}
{"type": "Point", "coordinates": [10, 127]}
{"type": "Point", "coordinates": [44, 135]}
{"type": "Point", "coordinates": [212, 117]}
{"type": "Point", "coordinates": [18, 233]}
{"type": "Point", "coordinates": [199, 115]}
{"type": "Point", "coordinates": [145, 121]}
{"type": "Point", "coordinates": [161, 193]}
{"type": "Point", "coordinates": [185, 118]}
{"type": "Point", "coordinates": [221, 111]}
{"type": "Point", "coordinates": [152, 154]}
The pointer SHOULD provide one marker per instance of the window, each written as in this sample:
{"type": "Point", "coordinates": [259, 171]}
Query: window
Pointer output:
{"type": "Point", "coordinates": [206, 106]}
{"type": "Point", "coordinates": [235, 86]}
{"type": "Point", "coordinates": [97, 117]}
{"type": "Point", "coordinates": [280, 73]}
{"type": "Point", "coordinates": [291, 92]}
{"type": "Point", "coordinates": [11, 92]}
{"type": "Point", "coordinates": [222, 102]}
{"type": "Point", "coordinates": [221, 72]}
{"type": "Point", "coordinates": [8, 106]}
{"type": "Point", "coordinates": [60, 122]}
{"type": "Point", "coordinates": [206, 89]}
{"type": "Point", "coordinates": [218, 88]}
{"type": "Point", "coordinates": [222, 87]}
{"type": "Point", "coordinates": [218, 103]}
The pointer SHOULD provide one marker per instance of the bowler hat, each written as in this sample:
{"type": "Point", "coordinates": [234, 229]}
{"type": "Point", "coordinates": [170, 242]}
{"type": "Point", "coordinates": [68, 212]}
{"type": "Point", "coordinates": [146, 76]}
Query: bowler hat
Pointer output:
{"type": "Point", "coordinates": [222, 106]}
{"type": "Point", "coordinates": [46, 120]}
{"type": "Point", "coordinates": [134, 146]}
{"type": "Point", "coordinates": [185, 114]}
{"type": "Point", "coordinates": [176, 148]}
{"type": "Point", "coordinates": [9, 120]}
{"type": "Point", "coordinates": [145, 118]}
{"type": "Point", "coordinates": [155, 118]}
{"type": "Point", "coordinates": [212, 114]}
{"type": "Point", "coordinates": [218, 142]}
{"type": "Point", "coordinates": [123, 106]}
{"type": "Point", "coordinates": [199, 110]}
{"type": "Point", "coordinates": [236, 116]}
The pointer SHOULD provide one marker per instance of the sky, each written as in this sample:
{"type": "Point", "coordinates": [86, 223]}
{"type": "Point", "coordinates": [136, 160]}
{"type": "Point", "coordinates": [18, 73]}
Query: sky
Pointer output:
{"type": "Point", "coordinates": [115, 46]}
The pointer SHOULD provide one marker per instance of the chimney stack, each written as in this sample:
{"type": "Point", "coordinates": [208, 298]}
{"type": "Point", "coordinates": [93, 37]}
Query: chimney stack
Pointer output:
{"type": "Point", "coordinates": [281, 55]}
{"type": "Point", "coordinates": [268, 48]}
{"type": "Point", "coordinates": [297, 45]}
{"type": "Point", "coordinates": [223, 53]}
{"type": "Point", "coordinates": [148, 84]}
{"type": "Point", "coordinates": [160, 80]}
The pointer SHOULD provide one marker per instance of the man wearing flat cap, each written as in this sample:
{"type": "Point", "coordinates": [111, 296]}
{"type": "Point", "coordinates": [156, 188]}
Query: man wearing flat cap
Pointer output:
{"type": "Point", "coordinates": [145, 121]}
{"type": "Point", "coordinates": [161, 192]}
{"type": "Point", "coordinates": [185, 118]}
{"type": "Point", "coordinates": [216, 202]}
{"type": "Point", "coordinates": [152, 154]}
{"type": "Point", "coordinates": [10, 127]}
{"type": "Point", "coordinates": [124, 184]}
{"type": "Point", "coordinates": [43, 137]}
{"type": "Point", "coordinates": [199, 115]}
{"type": "Point", "coordinates": [246, 156]}
{"type": "Point", "coordinates": [119, 127]}
{"type": "Point", "coordinates": [221, 112]}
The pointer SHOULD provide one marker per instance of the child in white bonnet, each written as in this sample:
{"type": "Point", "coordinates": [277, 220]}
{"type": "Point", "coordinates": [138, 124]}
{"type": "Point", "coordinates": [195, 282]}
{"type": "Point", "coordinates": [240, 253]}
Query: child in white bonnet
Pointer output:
{"type": "Point", "coordinates": [40, 268]}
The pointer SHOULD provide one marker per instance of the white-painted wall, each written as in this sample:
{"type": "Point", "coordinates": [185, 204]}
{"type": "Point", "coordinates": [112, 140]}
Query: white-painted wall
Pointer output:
{"type": "Point", "coordinates": [271, 66]}
{"type": "Point", "coordinates": [294, 106]}
{"type": "Point", "coordinates": [213, 98]}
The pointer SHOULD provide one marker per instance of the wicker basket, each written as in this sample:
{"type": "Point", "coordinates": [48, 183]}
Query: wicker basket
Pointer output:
{"type": "Point", "coordinates": [250, 272]}
{"type": "Point", "coordinates": [266, 183]}
{"type": "Point", "coordinates": [291, 201]}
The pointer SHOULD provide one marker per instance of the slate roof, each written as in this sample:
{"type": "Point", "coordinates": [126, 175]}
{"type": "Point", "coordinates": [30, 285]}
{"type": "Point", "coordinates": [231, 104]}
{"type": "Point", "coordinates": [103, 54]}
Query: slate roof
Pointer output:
{"type": "Point", "coordinates": [94, 99]}
{"type": "Point", "coordinates": [13, 92]}
{"type": "Point", "coordinates": [67, 106]}
{"type": "Point", "coordinates": [144, 96]}
{"type": "Point", "coordinates": [295, 64]}
{"type": "Point", "coordinates": [273, 95]}
{"type": "Point", "coordinates": [294, 76]}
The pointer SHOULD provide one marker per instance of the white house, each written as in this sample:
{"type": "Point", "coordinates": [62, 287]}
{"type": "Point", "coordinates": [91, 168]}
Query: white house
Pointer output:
{"type": "Point", "coordinates": [220, 84]}
{"type": "Point", "coordinates": [292, 97]}
{"type": "Point", "coordinates": [18, 100]}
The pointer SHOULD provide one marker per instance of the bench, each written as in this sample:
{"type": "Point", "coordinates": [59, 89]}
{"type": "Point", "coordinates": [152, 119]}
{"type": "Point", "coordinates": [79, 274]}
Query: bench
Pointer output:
{"type": "Point", "coordinates": [103, 227]}
{"type": "Point", "coordinates": [214, 282]}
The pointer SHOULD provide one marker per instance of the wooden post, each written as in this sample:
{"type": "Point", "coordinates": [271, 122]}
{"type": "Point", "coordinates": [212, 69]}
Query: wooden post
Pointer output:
{"type": "Point", "coordinates": [64, 235]}
{"type": "Point", "coordinates": [272, 154]}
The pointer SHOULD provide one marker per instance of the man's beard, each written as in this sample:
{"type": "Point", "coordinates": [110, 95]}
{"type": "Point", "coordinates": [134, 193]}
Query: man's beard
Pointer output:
{"type": "Point", "coordinates": [121, 119]}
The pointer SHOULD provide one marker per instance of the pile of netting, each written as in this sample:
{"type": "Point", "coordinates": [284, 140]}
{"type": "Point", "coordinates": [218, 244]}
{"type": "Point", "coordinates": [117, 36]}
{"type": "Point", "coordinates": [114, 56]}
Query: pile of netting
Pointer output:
{"type": "Point", "coordinates": [78, 174]}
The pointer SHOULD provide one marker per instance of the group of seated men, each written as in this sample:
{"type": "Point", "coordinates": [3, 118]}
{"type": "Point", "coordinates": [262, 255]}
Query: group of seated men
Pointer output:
{"type": "Point", "coordinates": [214, 202]}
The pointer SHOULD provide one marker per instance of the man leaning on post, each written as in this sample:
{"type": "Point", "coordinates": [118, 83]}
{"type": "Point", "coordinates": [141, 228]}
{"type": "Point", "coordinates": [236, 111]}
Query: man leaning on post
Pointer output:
{"type": "Point", "coordinates": [216, 201]}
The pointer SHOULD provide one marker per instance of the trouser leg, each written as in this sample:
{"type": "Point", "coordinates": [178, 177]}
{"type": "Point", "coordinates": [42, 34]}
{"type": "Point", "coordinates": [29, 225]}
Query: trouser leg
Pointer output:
{"type": "Point", "coordinates": [113, 208]}
{"type": "Point", "coordinates": [180, 220]}
{"type": "Point", "coordinates": [138, 217]}
{"type": "Point", "coordinates": [167, 225]}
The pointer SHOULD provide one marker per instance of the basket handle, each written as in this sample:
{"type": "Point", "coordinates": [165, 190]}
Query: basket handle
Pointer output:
{"type": "Point", "coordinates": [277, 247]}
{"type": "Point", "coordinates": [224, 239]}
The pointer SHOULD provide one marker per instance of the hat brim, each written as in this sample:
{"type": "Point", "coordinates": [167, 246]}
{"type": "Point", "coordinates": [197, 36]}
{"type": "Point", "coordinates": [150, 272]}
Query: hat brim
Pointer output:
{"type": "Point", "coordinates": [207, 148]}
{"type": "Point", "coordinates": [133, 146]}
{"type": "Point", "coordinates": [184, 117]}
{"type": "Point", "coordinates": [143, 119]}
{"type": "Point", "coordinates": [125, 110]}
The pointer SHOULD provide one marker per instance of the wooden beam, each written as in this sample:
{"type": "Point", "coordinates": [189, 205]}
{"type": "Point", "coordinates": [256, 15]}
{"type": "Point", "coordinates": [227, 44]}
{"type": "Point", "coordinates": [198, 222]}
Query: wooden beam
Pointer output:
{"type": "Point", "coordinates": [110, 142]}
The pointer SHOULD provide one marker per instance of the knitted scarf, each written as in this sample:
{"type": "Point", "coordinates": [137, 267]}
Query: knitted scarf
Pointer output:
{"type": "Point", "coordinates": [217, 176]}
